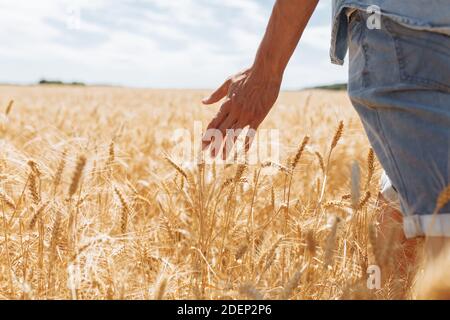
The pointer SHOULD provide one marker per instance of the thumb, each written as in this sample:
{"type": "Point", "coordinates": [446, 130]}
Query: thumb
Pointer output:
{"type": "Point", "coordinates": [217, 95]}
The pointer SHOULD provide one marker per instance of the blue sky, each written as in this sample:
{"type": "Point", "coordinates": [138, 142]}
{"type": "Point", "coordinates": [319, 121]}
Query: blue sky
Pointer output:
{"type": "Point", "coordinates": [151, 43]}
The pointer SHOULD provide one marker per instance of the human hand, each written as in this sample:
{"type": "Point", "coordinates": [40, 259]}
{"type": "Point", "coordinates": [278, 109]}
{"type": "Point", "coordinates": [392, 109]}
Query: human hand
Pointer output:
{"type": "Point", "coordinates": [250, 95]}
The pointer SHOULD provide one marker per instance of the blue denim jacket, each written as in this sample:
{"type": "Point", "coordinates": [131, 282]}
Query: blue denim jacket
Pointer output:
{"type": "Point", "coordinates": [431, 15]}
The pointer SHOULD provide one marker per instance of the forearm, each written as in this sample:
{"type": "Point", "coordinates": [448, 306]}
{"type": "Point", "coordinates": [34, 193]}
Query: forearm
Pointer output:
{"type": "Point", "coordinates": [289, 19]}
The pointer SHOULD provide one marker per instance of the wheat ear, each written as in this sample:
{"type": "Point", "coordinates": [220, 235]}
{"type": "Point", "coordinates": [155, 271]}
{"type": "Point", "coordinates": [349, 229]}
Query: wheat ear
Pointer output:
{"type": "Point", "coordinates": [125, 210]}
{"type": "Point", "coordinates": [60, 170]}
{"type": "Point", "coordinates": [81, 163]}
{"type": "Point", "coordinates": [370, 167]}
{"type": "Point", "coordinates": [299, 153]}
{"type": "Point", "coordinates": [9, 107]}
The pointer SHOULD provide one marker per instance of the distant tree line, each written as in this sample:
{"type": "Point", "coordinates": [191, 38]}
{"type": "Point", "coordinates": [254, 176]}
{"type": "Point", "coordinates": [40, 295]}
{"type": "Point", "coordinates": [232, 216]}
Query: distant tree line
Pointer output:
{"type": "Point", "coordinates": [336, 87]}
{"type": "Point", "coordinates": [61, 83]}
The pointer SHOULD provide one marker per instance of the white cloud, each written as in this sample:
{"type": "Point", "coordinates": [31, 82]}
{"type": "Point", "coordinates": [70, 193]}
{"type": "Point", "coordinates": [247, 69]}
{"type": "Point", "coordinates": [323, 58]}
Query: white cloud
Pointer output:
{"type": "Point", "coordinates": [186, 12]}
{"type": "Point", "coordinates": [317, 37]}
{"type": "Point", "coordinates": [157, 43]}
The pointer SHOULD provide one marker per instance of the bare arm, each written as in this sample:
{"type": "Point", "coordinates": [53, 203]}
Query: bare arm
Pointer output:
{"type": "Point", "coordinates": [289, 19]}
{"type": "Point", "coordinates": [251, 94]}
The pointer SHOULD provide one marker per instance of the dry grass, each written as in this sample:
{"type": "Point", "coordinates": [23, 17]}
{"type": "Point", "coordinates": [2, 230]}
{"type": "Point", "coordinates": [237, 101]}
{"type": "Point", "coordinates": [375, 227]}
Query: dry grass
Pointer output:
{"type": "Point", "coordinates": [92, 206]}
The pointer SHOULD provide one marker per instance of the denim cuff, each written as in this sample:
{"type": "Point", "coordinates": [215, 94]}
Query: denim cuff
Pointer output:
{"type": "Point", "coordinates": [430, 225]}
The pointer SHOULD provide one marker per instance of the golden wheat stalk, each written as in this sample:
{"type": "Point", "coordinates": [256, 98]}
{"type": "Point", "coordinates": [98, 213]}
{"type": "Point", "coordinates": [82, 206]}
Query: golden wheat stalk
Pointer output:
{"type": "Point", "coordinates": [111, 153]}
{"type": "Point", "coordinates": [242, 249]}
{"type": "Point", "coordinates": [267, 259]}
{"type": "Point", "coordinates": [337, 135]}
{"type": "Point", "coordinates": [9, 107]}
{"type": "Point", "coordinates": [299, 153]}
{"type": "Point", "coordinates": [321, 162]}
{"type": "Point", "coordinates": [176, 167]}
{"type": "Point", "coordinates": [125, 212]}
{"type": "Point", "coordinates": [54, 240]}
{"type": "Point", "coordinates": [370, 167]}
{"type": "Point", "coordinates": [278, 166]}
{"type": "Point", "coordinates": [311, 244]}
{"type": "Point", "coordinates": [60, 170]}
{"type": "Point", "coordinates": [364, 200]}
{"type": "Point", "coordinates": [373, 240]}
{"type": "Point", "coordinates": [239, 172]}
{"type": "Point", "coordinates": [214, 170]}
{"type": "Point", "coordinates": [272, 198]}
{"type": "Point", "coordinates": [346, 197]}
{"type": "Point", "coordinates": [161, 289]}
{"type": "Point", "coordinates": [83, 248]}
{"type": "Point", "coordinates": [78, 172]}
{"type": "Point", "coordinates": [7, 200]}
{"type": "Point", "coordinates": [34, 167]}
{"type": "Point", "coordinates": [334, 142]}
{"type": "Point", "coordinates": [32, 182]}
{"type": "Point", "coordinates": [37, 214]}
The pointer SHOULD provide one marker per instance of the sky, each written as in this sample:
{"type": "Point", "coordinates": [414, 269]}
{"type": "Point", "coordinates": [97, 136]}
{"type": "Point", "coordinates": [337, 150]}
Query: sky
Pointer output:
{"type": "Point", "coordinates": [151, 43]}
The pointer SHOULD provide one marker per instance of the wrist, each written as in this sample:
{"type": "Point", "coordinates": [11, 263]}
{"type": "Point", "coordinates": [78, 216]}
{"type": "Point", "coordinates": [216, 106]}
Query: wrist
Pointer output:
{"type": "Point", "coordinates": [267, 70]}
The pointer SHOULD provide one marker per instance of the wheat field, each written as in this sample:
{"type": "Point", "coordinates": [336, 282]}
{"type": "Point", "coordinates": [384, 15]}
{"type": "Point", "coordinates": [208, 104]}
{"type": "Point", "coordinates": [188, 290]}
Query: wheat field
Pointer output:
{"type": "Point", "coordinates": [93, 206]}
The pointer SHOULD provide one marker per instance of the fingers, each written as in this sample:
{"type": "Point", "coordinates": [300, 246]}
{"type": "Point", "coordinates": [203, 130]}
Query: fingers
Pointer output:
{"type": "Point", "coordinates": [215, 123]}
{"type": "Point", "coordinates": [223, 139]}
{"type": "Point", "coordinates": [224, 131]}
{"type": "Point", "coordinates": [223, 136]}
{"type": "Point", "coordinates": [250, 136]}
{"type": "Point", "coordinates": [232, 137]}
{"type": "Point", "coordinates": [217, 95]}
{"type": "Point", "coordinates": [235, 132]}
{"type": "Point", "coordinates": [227, 124]}
{"type": "Point", "coordinates": [226, 143]}
{"type": "Point", "coordinates": [230, 140]}
{"type": "Point", "coordinates": [220, 116]}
